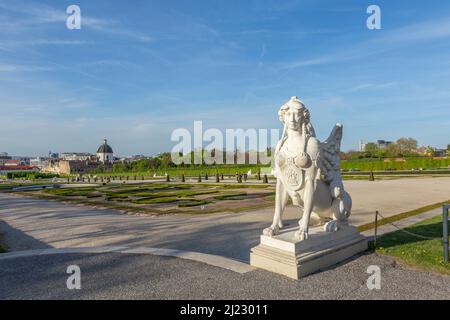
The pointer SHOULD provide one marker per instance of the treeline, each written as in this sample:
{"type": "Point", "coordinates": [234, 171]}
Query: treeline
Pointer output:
{"type": "Point", "coordinates": [402, 148]}
{"type": "Point", "coordinates": [30, 175]}
{"type": "Point", "coordinates": [164, 162]}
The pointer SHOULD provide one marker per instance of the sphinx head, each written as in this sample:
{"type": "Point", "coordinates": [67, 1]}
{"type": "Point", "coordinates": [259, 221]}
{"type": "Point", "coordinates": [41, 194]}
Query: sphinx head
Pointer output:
{"type": "Point", "coordinates": [294, 115]}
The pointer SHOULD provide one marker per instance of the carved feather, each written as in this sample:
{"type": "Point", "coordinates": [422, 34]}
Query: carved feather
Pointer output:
{"type": "Point", "coordinates": [328, 161]}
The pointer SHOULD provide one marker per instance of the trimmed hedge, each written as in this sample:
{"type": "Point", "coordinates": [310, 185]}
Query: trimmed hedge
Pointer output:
{"type": "Point", "coordinates": [30, 175]}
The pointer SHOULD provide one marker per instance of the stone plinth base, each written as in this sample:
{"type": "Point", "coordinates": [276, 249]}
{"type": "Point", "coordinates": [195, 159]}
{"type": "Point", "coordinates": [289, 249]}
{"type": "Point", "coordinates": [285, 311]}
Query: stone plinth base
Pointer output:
{"type": "Point", "coordinates": [284, 255]}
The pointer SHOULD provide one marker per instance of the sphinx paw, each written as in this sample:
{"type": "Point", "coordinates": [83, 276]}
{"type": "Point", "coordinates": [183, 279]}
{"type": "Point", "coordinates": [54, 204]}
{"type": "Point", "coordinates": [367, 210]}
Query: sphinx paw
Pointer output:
{"type": "Point", "coordinates": [301, 235]}
{"type": "Point", "coordinates": [331, 226]}
{"type": "Point", "coordinates": [271, 231]}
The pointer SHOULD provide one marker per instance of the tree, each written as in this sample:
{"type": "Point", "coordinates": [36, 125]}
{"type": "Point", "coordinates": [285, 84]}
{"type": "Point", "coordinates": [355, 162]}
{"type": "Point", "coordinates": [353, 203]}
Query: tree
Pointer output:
{"type": "Point", "coordinates": [352, 155]}
{"type": "Point", "coordinates": [380, 153]}
{"type": "Point", "coordinates": [392, 150]}
{"type": "Point", "coordinates": [430, 151]}
{"type": "Point", "coordinates": [166, 159]}
{"type": "Point", "coordinates": [407, 145]}
{"type": "Point", "coordinates": [371, 148]}
{"type": "Point", "coordinates": [120, 167]}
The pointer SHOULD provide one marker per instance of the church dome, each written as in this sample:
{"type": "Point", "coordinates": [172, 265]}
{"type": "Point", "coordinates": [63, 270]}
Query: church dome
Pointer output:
{"type": "Point", "coordinates": [105, 148]}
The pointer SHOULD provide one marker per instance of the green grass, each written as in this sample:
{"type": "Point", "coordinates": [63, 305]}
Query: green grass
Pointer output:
{"type": "Point", "coordinates": [144, 198]}
{"type": "Point", "coordinates": [211, 170]}
{"type": "Point", "coordinates": [154, 195]}
{"type": "Point", "coordinates": [414, 251]}
{"type": "Point", "coordinates": [5, 187]}
{"type": "Point", "coordinates": [243, 186]}
{"type": "Point", "coordinates": [400, 216]}
{"type": "Point", "coordinates": [152, 200]}
{"type": "Point", "coordinates": [117, 198]}
{"type": "Point", "coordinates": [185, 202]}
{"type": "Point", "coordinates": [385, 164]}
{"type": "Point", "coordinates": [84, 192]}
{"type": "Point", "coordinates": [146, 195]}
{"type": "Point", "coordinates": [9, 186]}
{"type": "Point", "coordinates": [196, 193]}
{"type": "Point", "coordinates": [233, 196]}
{"type": "Point", "coordinates": [155, 211]}
{"type": "Point", "coordinates": [193, 203]}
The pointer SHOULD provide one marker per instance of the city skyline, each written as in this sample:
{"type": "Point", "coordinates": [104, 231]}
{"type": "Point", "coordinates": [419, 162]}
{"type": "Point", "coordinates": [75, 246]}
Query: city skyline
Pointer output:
{"type": "Point", "coordinates": [54, 153]}
{"type": "Point", "coordinates": [134, 76]}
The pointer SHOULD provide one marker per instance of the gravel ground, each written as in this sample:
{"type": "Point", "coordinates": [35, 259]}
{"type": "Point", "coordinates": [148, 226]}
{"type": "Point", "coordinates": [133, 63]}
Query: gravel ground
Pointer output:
{"type": "Point", "coordinates": [136, 276]}
{"type": "Point", "coordinates": [29, 223]}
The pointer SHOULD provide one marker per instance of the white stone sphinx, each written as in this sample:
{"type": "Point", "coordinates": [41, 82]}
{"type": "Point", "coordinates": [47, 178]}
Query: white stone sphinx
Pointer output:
{"type": "Point", "coordinates": [308, 172]}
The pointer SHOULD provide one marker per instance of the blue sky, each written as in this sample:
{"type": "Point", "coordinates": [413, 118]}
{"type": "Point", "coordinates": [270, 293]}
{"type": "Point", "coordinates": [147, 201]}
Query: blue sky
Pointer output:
{"type": "Point", "coordinates": [135, 72]}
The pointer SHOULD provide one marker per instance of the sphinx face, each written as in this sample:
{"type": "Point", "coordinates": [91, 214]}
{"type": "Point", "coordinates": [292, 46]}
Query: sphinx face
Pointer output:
{"type": "Point", "coordinates": [294, 118]}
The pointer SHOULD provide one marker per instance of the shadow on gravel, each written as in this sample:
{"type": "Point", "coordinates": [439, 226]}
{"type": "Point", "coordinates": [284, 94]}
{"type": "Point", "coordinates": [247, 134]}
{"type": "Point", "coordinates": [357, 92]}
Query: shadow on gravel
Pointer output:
{"type": "Point", "coordinates": [232, 240]}
{"type": "Point", "coordinates": [15, 239]}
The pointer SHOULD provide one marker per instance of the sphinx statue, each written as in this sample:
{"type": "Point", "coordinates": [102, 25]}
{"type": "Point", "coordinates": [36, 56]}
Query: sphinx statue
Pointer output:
{"type": "Point", "coordinates": [308, 172]}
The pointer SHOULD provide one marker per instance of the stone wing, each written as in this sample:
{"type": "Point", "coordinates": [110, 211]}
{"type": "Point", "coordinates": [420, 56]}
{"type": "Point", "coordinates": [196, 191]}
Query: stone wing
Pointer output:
{"type": "Point", "coordinates": [329, 161]}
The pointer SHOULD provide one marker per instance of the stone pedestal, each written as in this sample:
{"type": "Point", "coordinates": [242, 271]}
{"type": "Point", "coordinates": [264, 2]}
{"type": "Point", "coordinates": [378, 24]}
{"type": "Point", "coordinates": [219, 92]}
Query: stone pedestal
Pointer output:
{"type": "Point", "coordinates": [295, 259]}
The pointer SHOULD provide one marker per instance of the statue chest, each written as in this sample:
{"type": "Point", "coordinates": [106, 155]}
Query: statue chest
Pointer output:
{"type": "Point", "coordinates": [288, 170]}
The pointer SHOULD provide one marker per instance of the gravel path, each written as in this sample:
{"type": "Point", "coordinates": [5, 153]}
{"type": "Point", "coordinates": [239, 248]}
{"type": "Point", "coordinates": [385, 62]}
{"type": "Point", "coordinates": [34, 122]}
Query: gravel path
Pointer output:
{"type": "Point", "coordinates": [29, 223]}
{"type": "Point", "coordinates": [136, 276]}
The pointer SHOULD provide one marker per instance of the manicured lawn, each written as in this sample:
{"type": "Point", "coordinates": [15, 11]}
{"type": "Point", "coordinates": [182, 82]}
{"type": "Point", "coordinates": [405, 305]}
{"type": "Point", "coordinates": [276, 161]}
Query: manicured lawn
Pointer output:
{"type": "Point", "coordinates": [191, 171]}
{"type": "Point", "coordinates": [415, 251]}
{"type": "Point", "coordinates": [8, 186]}
{"type": "Point", "coordinates": [232, 196]}
{"type": "Point", "coordinates": [401, 216]}
{"type": "Point", "coordinates": [167, 198]}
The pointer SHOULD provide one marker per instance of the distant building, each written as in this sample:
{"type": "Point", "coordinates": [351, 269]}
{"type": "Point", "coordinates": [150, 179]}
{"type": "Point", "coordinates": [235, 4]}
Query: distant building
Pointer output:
{"type": "Point", "coordinates": [40, 162]}
{"type": "Point", "coordinates": [19, 168]}
{"type": "Point", "coordinates": [3, 158]}
{"type": "Point", "coordinates": [15, 163]}
{"type": "Point", "coordinates": [138, 157]}
{"type": "Point", "coordinates": [79, 163]}
{"type": "Point", "coordinates": [53, 155]}
{"type": "Point", "coordinates": [422, 150]}
{"type": "Point", "coordinates": [105, 153]}
{"type": "Point", "coordinates": [66, 167]}
{"type": "Point", "coordinates": [76, 156]}
{"type": "Point", "coordinates": [23, 160]}
{"type": "Point", "coordinates": [362, 146]}
{"type": "Point", "coordinates": [382, 144]}
{"type": "Point", "coordinates": [439, 153]}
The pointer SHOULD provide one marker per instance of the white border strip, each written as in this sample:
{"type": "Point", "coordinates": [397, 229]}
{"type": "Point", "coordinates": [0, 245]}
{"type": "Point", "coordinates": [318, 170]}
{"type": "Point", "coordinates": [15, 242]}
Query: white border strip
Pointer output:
{"type": "Point", "coordinates": [214, 260]}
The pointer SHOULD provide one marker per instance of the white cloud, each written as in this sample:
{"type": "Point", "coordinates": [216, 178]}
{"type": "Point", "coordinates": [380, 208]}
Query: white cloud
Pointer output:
{"type": "Point", "coordinates": [372, 86]}
{"type": "Point", "coordinates": [42, 42]}
{"type": "Point", "coordinates": [43, 14]}
{"type": "Point", "coordinates": [304, 63]}
{"type": "Point", "coordinates": [387, 40]}
{"type": "Point", "coordinates": [23, 68]}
